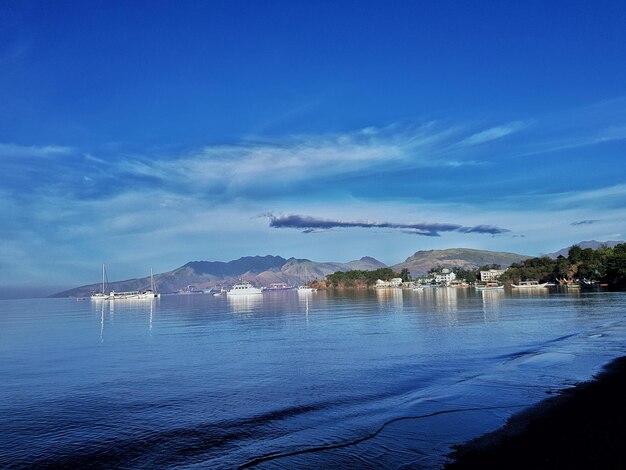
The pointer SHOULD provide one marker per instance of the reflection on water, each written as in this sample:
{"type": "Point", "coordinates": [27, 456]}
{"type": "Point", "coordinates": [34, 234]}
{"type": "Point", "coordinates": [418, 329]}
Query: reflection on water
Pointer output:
{"type": "Point", "coordinates": [182, 381]}
{"type": "Point", "coordinates": [389, 296]}
{"type": "Point", "coordinates": [445, 299]}
{"type": "Point", "coordinates": [245, 303]}
{"type": "Point", "coordinates": [492, 302]}
{"type": "Point", "coordinates": [126, 306]}
{"type": "Point", "coordinates": [102, 324]}
{"type": "Point", "coordinates": [529, 292]}
{"type": "Point", "coordinates": [151, 314]}
{"type": "Point", "coordinates": [305, 298]}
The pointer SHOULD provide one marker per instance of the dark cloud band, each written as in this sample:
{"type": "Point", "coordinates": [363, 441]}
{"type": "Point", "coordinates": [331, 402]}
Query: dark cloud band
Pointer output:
{"type": "Point", "coordinates": [585, 222]}
{"type": "Point", "coordinates": [311, 224]}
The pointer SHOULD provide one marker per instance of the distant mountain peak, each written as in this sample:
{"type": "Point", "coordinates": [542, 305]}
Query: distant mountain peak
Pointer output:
{"type": "Point", "coordinates": [593, 244]}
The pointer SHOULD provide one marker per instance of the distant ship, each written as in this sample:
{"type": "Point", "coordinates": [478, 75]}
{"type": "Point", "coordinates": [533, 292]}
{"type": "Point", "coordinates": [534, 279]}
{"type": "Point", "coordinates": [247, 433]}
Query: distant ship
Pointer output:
{"type": "Point", "coordinates": [190, 289]}
{"type": "Point", "coordinates": [279, 286]}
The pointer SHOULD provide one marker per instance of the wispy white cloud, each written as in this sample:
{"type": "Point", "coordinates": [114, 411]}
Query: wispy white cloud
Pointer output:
{"type": "Point", "coordinates": [575, 128]}
{"type": "Point", "coordinates": [17, 151]}
{"type": "Point", "coordinates": [603, 195]}
{"type": "Point", "coordinates": [494, 133]}
{"type": "Point", "coordinates": [129, 208]}
{"type": "Point", "coordinates": [301, 158]}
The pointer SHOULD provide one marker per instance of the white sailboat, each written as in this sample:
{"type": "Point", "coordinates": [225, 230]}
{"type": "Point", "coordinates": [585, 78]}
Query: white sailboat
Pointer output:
{"type": "Point", "coordinates": [101, 295]}
{"type": "Point", "coordinates": [305, 288]}
{"type": "Point", "coordinates": [152, 292]}
{"type": "Point", "coordinates": [125, 295]}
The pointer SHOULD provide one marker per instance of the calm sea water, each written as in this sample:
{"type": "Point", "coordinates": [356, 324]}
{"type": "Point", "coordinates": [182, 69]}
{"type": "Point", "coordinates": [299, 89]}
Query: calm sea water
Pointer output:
{"type": "Point", "coordinates": [332, 379]}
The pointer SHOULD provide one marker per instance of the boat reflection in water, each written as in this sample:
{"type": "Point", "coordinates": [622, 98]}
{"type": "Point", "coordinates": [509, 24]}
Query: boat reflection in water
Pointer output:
{"type": "Point", "coordinates": [245, 303]}
{"type": "Point", "coordinates": [130, 307]}
{"type": "Point", "coordinates": [492, 303]}
{"type": "Point", "coordinates": [389, 296]}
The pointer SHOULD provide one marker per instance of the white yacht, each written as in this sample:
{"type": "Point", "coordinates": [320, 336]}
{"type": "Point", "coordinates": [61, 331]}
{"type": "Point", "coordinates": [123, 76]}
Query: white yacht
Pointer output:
{"type": "Point", "coordinates": [244, 288]}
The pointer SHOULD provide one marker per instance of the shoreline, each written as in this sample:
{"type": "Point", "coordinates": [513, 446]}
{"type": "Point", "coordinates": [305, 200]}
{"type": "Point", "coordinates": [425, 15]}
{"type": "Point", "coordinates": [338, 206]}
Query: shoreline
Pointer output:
{"type": "Point", "coordinates": [581, 427]}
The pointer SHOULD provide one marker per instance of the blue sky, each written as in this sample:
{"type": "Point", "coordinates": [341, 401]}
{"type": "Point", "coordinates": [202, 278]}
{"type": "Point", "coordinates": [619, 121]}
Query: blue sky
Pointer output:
{"type": "Point", "coordinates": [147, 134]}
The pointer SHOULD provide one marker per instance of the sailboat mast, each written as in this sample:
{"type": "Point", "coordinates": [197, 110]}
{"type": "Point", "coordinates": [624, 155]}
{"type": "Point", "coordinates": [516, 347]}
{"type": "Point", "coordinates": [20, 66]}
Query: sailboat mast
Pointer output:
{"type": "Point", "coordinates": [103, 275]}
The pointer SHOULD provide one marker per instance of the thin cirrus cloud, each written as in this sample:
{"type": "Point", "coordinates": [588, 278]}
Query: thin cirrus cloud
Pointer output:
{"type": "Point", "coordinates": [494, 133]}
{"type": "Point", "coordinates": [241, 169]}
{"type": "Point", "coordinates": [310, 224]}
{"type": "Point", "coordinates": [235, 168]}
{"type": "Point", "coordinates": [33, 151]}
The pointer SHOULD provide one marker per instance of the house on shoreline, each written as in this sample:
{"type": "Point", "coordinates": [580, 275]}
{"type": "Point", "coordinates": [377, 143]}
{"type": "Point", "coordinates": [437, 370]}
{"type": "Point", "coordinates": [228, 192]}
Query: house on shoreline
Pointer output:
{"type": "Point", "coordinates": [395, 282]}
{"type": "Point", "coordinates": [491, 275]}
{"type": "Point", "coordinates": [445, 276]}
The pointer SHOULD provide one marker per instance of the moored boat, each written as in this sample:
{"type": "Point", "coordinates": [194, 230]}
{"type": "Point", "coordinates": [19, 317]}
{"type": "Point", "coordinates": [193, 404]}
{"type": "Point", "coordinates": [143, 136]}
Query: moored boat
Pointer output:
{"type": "Point", "coordinates": [530, 285]}
{"type": "Point", "coordinates": [489, 286]}
{"type": "Point", "coordinates": [150, 293]}
{"type": "Point", "coordinates": [279, 286]}
{"type": "Point", "coordinates": [244, 288]}
{"type": "Point", "coordinates": [101, 295]}
{"type": "Point", "coordinates": [303, 289]}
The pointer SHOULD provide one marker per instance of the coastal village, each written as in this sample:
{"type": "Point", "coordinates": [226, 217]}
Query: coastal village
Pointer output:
{"type": "Point", "coordinates": [441, 278]}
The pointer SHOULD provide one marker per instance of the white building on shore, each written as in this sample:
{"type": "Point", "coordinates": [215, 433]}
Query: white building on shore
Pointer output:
{"type": "Point", "coordinates": [491, 275]}
{"type": "Point", "coordinates": [395, 282]}
{"type": "Point", "coordinates": [445, 277]}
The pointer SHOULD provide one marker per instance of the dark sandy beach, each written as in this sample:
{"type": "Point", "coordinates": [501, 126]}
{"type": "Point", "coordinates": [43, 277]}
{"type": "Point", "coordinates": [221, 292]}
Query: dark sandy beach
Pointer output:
{"type": "Point", "coordinates": [583, 427]}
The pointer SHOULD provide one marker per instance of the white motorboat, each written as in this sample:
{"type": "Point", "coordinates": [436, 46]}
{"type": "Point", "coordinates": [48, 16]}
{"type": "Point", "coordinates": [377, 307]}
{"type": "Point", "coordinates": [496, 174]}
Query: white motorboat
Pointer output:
{"type": "Point", "coordinates": [244, 288]}
{"type": "Point", "coordinates": [530, 285]}
{"type": "Point", "coordinates": [489, 286]}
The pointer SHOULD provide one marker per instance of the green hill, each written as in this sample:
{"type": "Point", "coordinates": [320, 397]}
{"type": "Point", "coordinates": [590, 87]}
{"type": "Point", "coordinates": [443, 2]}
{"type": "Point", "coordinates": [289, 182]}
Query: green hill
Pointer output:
{"type": "Point", "coordinates": [421, 261]}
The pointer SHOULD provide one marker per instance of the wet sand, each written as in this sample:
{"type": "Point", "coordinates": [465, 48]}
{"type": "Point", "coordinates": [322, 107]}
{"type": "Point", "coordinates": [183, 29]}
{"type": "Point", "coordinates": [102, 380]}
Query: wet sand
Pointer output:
{"type": "Point", "coordinates": [582, 427]}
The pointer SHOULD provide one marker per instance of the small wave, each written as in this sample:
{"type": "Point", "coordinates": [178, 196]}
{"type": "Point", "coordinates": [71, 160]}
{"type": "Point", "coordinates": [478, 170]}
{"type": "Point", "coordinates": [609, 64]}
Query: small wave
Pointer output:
{"type": "Point", "coordinates": [339, 445]}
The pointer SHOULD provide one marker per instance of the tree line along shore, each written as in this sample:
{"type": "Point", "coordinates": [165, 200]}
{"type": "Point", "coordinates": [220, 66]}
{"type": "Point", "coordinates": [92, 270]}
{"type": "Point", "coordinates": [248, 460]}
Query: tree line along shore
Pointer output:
{"type": "Point", "coordinates": [603, 265]}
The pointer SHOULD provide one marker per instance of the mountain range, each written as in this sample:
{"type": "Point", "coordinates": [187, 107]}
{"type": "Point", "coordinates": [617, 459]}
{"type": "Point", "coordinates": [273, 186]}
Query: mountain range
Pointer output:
{"type": "Point", "coordinates": [259, 270]}
{"type": "Point", "coordinates": [265, 270]}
